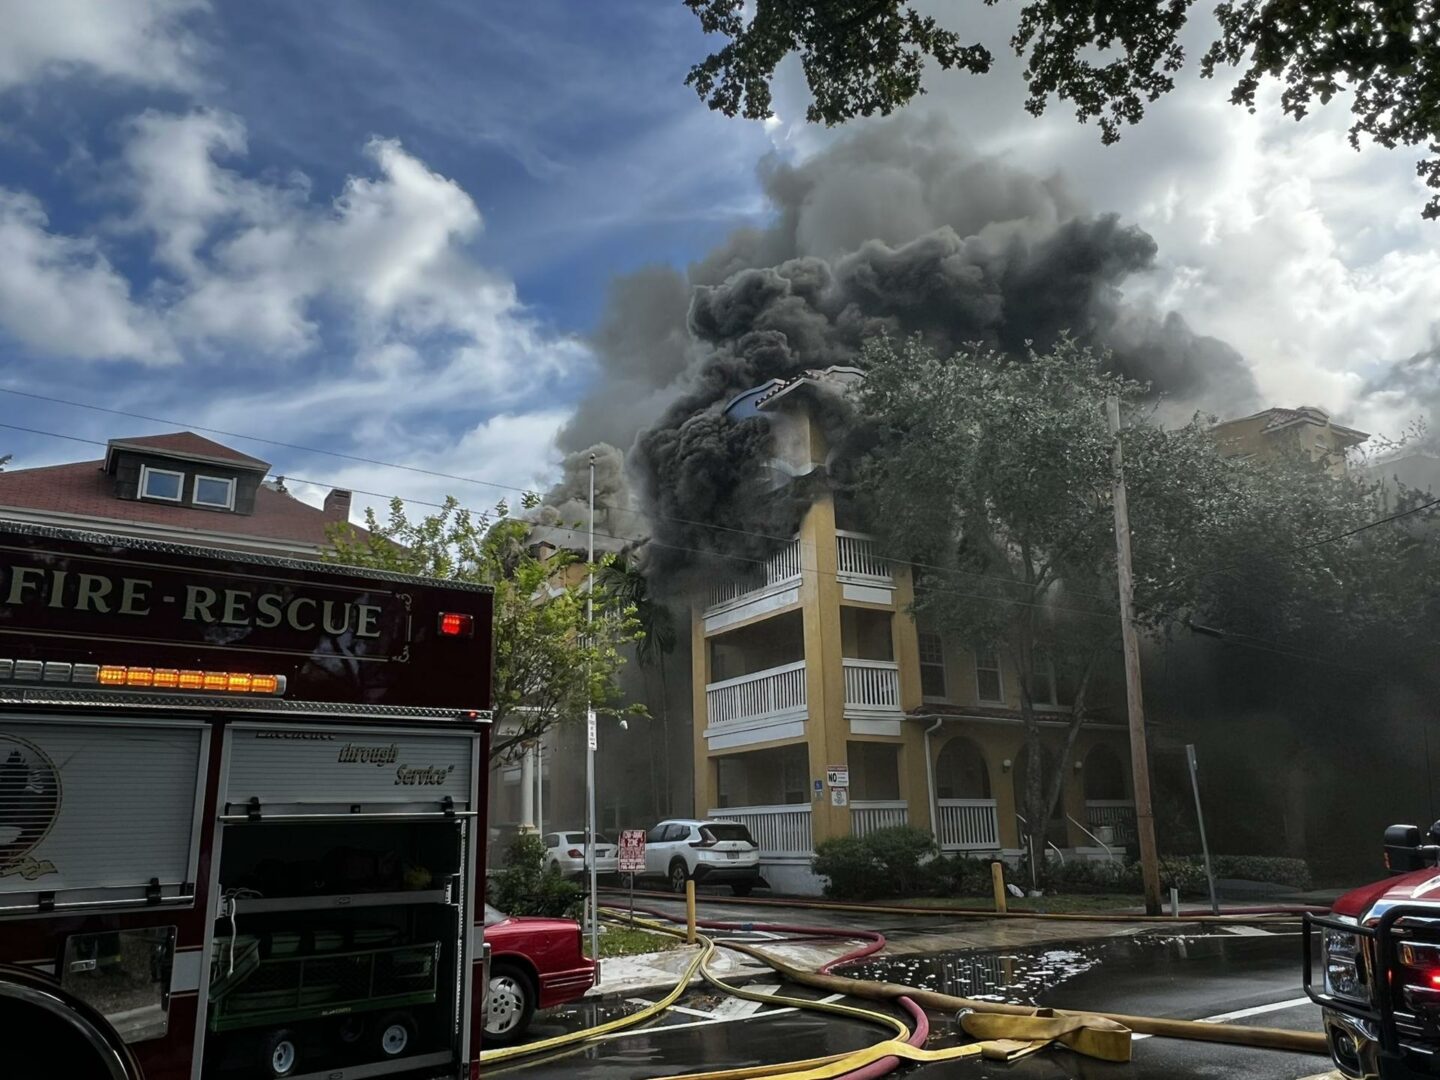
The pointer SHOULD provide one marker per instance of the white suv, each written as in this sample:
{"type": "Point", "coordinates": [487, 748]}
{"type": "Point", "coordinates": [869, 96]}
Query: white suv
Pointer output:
{"type": "Point", "coordinates": [710, 852]}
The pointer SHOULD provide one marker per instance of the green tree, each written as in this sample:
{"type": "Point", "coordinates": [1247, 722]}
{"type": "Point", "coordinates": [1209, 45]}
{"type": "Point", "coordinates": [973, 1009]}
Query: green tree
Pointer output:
{"type": "Point", "coordinates": [994, 473]}
{"type": "Point", "coordinates": [1109, 61]}
{"type": "Point", "coordinates": [656, 640]}
{"type": "Point", "coordinates": [549, 663]}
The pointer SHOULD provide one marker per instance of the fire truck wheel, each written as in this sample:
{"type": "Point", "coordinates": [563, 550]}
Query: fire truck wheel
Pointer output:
{"type": "Point", "coordinates": [350, 1030]}
{"type": "Point", "coordinates": [509, 1004]}
{"type": "Point", "coordinates": [394, 1033]}
{"type": "Point", "coordinates": [279, 1052]}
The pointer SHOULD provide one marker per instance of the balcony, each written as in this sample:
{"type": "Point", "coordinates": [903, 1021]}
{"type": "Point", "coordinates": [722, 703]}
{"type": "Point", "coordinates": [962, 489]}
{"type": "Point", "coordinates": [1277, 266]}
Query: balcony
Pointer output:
{"type": "Point", "coordinates": [968, 825]}
{"type": "Point", "coordinates": [782, 832]}
{"type": "Point", "coordinates": [872, 696]}
{"type": "Point", "coordinates": [864, 576]}
{"type": "Point", "coordinates": [868, 815]}
{"type": "Point", "coordinates": [769, 704]}
{"type": "Point", "coordinates": [1116, 814]}
{"type": "Point", "coordinates": [773, 585]}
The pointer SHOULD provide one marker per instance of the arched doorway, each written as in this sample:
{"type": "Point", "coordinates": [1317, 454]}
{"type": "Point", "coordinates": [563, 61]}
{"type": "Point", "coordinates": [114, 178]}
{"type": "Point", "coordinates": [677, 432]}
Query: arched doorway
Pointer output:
{"type": "Point", "coordinates": [1055, 831]}
{"type": "Point", "coordinates": [961, 771]}
{"type": "Point", "coordinates": [1107, 794]}
{"type": "Point", "coordinates": [966, 818]}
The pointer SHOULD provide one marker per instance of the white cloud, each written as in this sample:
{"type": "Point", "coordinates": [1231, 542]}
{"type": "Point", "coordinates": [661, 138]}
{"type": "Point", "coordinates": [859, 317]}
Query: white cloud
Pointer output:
{"type": "Point", "coordinates": [143, 41]}
{"type": "Point", "coordinates": [505, 452]}
{"type": "Point", "coordinates": [60, 296]}
{"type": "Point", "coordinates": [1276, 236]}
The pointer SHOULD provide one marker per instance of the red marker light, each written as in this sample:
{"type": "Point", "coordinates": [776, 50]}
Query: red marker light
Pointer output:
{"type": "Point", "coordinates": [453, 624]}
{"type": "Point", "coordinates": [1435, 979]}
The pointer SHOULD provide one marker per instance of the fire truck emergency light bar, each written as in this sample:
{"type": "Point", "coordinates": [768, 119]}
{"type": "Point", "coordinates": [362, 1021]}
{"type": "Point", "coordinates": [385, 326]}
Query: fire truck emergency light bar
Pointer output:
{"type": "Point", "coordinates": [119, 677]}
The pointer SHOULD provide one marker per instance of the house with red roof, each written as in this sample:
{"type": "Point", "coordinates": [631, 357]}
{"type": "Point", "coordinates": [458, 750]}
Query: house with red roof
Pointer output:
{"type": "Point", "coordinates": [178, 488]}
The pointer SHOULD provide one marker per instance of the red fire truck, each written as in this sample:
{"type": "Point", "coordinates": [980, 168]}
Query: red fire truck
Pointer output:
{"type": "Point", "coordinates": [1379, 955]}
{"type": "Point", "coordinates": [241, 815]}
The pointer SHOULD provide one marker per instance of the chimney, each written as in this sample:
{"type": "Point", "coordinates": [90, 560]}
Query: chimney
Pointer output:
{"type": "Point", "coordinates": [337, 505]}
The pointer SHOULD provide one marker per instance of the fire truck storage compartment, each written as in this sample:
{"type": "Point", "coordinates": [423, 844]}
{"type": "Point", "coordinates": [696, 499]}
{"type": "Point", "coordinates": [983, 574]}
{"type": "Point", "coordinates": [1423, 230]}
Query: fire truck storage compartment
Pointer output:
{"type": "Point", "coordinates": [341, 903]}
{"type": "Point", "coordinates": [98, 814]}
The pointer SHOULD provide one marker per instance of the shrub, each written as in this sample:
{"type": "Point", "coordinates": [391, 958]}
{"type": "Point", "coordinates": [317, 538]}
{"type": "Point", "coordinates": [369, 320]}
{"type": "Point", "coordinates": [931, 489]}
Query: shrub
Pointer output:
{"type": "Point", "coordinates": [903, 855]}
{"type": "Point", "coordinates": [965, 875]}
{"type": "Point", "coordinates": [1267, 868]}
{"type": "Point", "coordinates": [525, 886]}
{"type": "Point", "coordinates": [850, 869]}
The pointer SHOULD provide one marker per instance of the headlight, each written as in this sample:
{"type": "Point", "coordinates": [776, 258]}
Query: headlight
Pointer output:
{"type": "Point", "coordinates": [1342, 964]}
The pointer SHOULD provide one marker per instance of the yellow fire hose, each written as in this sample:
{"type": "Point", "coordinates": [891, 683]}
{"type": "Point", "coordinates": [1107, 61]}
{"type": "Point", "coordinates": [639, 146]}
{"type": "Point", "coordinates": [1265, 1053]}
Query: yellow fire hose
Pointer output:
{"type": "Point", "coordinates": [1005, 1031]}
{"type": "Point", "coordinates": [1005, 1037]}
{"type": "Point", "coordinates": [1300, 1042]}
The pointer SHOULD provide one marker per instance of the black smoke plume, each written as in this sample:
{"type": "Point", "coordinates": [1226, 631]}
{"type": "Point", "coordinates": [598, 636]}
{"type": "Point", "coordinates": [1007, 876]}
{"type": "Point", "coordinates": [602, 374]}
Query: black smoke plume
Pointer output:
{"type": "Point", "coordinates": [897, 229]}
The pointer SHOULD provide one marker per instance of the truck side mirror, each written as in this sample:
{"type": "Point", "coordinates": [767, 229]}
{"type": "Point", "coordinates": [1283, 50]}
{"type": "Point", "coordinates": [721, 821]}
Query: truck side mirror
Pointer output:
{"type": "Point", "coordinates": [1402, 849]}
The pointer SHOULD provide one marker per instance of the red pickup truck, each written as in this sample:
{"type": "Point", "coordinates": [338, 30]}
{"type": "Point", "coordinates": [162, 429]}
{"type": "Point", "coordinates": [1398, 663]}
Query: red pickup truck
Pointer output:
{"type": "Point", "coordinates": [1379, 953]}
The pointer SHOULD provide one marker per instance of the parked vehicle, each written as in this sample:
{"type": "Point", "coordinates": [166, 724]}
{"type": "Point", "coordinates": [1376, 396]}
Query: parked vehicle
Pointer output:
{"type": "Point", "coordinates": [534, 964]}
{"type": "Point", "coordinates": [565, 853]}
{"type": "Point", "coordinates": [1379, 950]}
{"type": "Point", "coordinates": [709, 852]}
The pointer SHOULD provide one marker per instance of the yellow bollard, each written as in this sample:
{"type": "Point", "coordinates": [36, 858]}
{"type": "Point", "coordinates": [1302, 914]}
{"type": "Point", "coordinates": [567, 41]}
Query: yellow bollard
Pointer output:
{"type": "Point", "coordinates": [690, 912]}
{"type": "Point", "coordinates": [997, 881]}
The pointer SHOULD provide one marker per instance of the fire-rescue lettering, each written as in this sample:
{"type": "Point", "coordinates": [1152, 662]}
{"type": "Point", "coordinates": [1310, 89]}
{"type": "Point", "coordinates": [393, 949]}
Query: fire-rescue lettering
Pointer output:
{"type": "Point", "coordinates": [422, 774]}
{"type": "Point", "coordinates": [63, 590]}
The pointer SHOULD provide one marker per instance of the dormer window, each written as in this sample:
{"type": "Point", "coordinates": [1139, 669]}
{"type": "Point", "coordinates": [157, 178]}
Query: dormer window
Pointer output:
{"type": "Point", "coordinates": [216, 492]}
{"type": "Point", "coordinates": [161, 484]}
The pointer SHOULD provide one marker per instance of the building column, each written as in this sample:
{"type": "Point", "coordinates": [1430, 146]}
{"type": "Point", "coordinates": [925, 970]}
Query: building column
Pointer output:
{"type": "Point", "coordinates": [527, 788]}
{"type": "Point", "coordinates": [826, 728]}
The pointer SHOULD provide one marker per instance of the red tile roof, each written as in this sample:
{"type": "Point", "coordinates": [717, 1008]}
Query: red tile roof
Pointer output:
{"type": "Point", "coordinates": [84, 490]}
{"type": "Point", "coordinates": [191, 445]}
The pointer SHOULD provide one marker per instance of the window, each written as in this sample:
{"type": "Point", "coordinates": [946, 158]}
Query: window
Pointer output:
{"type": "Point", "coordinates": [161, 484]}
{"type": "Point", "coordinates": [932, 665]}
{"type": "Point", "coordinates": [988, 684]}
{"type": "Point", "coordinates": [1042, 679]}
{"type": "Point", "coordinates": [214, 491]}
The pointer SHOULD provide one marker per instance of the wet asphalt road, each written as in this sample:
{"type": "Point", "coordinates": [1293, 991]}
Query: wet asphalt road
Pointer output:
{"type": "Point", "coordinates": [1241, 975]}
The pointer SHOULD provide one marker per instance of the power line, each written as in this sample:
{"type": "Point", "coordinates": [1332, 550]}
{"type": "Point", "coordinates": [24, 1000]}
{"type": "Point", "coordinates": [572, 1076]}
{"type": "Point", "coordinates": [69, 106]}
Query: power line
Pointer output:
{"type": "Point", "coordinates": [465, 479]}
{"type": "Point", "coordinates": [623, 539]}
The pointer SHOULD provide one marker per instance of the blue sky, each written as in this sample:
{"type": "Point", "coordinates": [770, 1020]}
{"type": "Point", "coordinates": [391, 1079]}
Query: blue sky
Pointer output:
{"type": "Point", "coordinates": [386, 228]}
{"type": "Point", "coordinates": [373, 226]}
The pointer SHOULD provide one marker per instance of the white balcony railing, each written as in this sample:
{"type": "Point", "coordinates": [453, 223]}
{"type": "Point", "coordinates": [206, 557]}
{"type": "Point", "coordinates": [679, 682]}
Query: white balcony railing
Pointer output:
{"type": "Point", "coordinates": [868, 815]}
{"type": "Point", "coordinates": [857, 559]}
{"type": "Point", "coordinates": [778, 830]}
{"type": "Point", "coordinates": [872, 685]}
{"type": "Point", "coordinates": [968, 825]}
{"type": "Point", "coordinates": [1118, 814]}
{"type": "Point", "coordinates": [772, 693]}
{"type": "Point", "coordinates": [780, 569]}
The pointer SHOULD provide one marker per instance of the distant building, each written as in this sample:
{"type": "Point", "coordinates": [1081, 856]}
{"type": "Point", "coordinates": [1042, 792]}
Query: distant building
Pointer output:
{"type": "Point", "coordinates": [1307, 432]}
{"type": "Point", "coordinates": [822, 709]}
{"type": "Point", "coordinates": [179, 487]}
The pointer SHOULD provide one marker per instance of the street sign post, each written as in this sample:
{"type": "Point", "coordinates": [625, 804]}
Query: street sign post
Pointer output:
{"type": "Point", "coordinates": [632, 859]}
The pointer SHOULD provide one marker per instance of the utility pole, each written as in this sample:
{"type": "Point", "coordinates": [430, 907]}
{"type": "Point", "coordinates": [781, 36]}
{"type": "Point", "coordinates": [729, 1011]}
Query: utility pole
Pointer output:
{"type": "Point", "coordinates": [1135, 702]}
{"type": "Point", "coordinates": [591, 740]}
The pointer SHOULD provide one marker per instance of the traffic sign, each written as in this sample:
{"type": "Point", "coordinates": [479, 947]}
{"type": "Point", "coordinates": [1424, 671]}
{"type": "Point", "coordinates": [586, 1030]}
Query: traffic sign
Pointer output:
{"type": "Point", "coordinates": [632, 851]}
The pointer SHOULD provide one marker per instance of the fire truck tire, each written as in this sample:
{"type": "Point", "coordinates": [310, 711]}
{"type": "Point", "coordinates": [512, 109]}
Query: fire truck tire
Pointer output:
{"type": "Point", "coordinates": [509, 1004]}
{"type": "Point", "coordinates": [77, 1042]}
{"type": "Point", "coordinates": [394, 1034]}
{"type": "Point", "coordinates": [280, 1052]}
{"type": "Point", "coordinates": [350, 1030]}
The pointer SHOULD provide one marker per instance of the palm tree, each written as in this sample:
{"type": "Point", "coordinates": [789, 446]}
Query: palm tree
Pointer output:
{"type": "Point", "coordinates": [626, 581]}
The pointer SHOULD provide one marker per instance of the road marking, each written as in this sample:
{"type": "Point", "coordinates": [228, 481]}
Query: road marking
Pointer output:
{"type": "Point", "coordinates": [675, 1008]}
{"type": "Point", "coordinates": [1240, 1014]}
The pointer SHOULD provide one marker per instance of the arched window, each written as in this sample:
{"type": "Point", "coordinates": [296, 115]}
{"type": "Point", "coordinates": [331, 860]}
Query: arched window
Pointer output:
{"type": "Point", "coordinates": [1055, 828]}
{"type": "Point", "coordinates": [1104, 775]}
{"type": "Point", "coordinates": [961, 771]}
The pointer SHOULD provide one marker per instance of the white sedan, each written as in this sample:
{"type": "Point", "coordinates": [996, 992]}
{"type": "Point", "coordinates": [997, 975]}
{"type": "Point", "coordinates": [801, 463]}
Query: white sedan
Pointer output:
{"type": "Point", "coordinates": [565, 854]}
